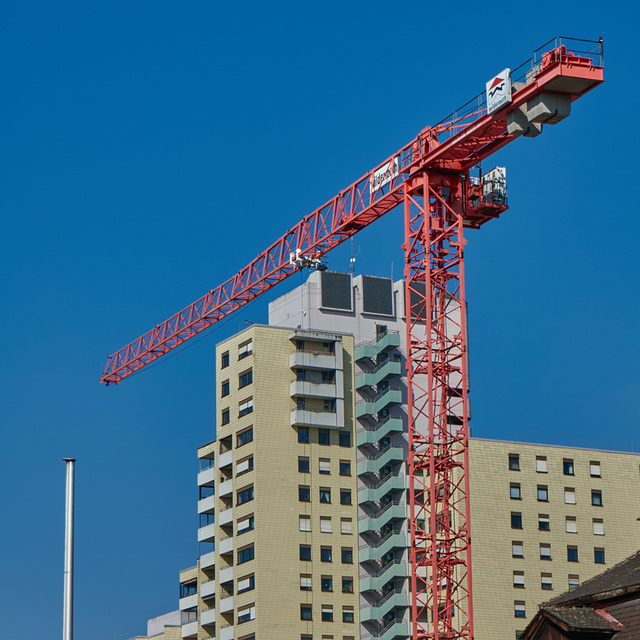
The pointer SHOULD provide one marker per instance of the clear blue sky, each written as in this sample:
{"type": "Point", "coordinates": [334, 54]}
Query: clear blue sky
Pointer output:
{"type": "Point", "coordinates": [149, 149]}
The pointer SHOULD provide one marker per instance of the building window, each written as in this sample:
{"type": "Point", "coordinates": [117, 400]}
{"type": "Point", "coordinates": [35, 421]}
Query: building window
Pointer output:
{"type": "Point", "coordinates": [598, 555]}
{"type": "Point", "coordinates": [245, 407]}
{"type": "Point", "coordinates": [569, 495]}
{"type": "Point", "coordinates": [324, 466]}
{"type": "Point", "coordinates": [225, 388]}
{"type": "Point", "coordinates": [345, 496]}
{"type": "Point", "coordinates": [303, 465]}
{"type": "Point", "coordinates": [301, 375]}
{"type": "Point", "coordinates": [188, 588]}
{"type": "Point", "coordinates": [325, 525]}
{"type": "Point", "coordinates": [345, 468]}
{"type": "Point", "coordinates": [303, 434]}
{"type": "Point", "coordinates": [567, 467]}
{"type": "Point", "coordinates": [543, 493]}
{"type": "Point", "coordinates": [516, 520]}
{"type": "Point", "coordinates": [324, 436]}
{"type": "Point", "coordinates": [244, 437]}
{"type": "Point", "coordinates": [244, 495]}
{"type": "Point", "coordinates": [305, 612]}
{"type": "Point", "coordinates": [519, 609]}
{"type": "Point", "coordinates": [598, 527]}
{"type": "Point", "coordinates": [246, 584]}
{"type": "Point", "coordinates": [206, 519]}
{"type": "Point", "coordinates": [572, 553]}
{"type": "Point", "coordinates": [224, 360]}
{"type": "Point", "coordinates": [596, 498]}
{"type": "Point", "coordinates": [594, 469]}
{"type": "Point", "coordinates": [326, 583]}
{"type": "Point", "coordinates": [304, 493]}
{"type": "Point", "coordinates": [347, 585]}
{"type": "Point", "coordinates": [518, 579]}
{"type": "Point", "coordinates": [571, 525]}
{"type": "Point", "coordinates": [305, 523]}
{"type": "Point", "coordinates": [246, 554]}
{"type": "Point", "coordinates": [514, 462]}
{"type": "Point", "coordinates": [516, 550]}
{"type": "Point", "coordinates": [327, 613]}
{"type": "Point", "coordinates": [545, 582]}
{"type": "Point", "coordinates": [246, 524]}
{"type": "Point", "coordinates": [305, 552]}
{"type": "Point", "coordinates": [541, 464]}
{"type": "Point", "coordinates": [244, 466]}
{"type": "Point", "coordinates": [245, 349]}
{"type": "Point", "coordinates": [545, 551]}
{"type": "Point", "coordinates": [246, 614]}
{"type": "Point", "coordinates": [325, 554]}
{"type": "Point", "coordinates": [543, 522]}
{"type": "Point", "coordinates": [245, 379]}
{"type": "Point", "coordinates": [226, 416]}
{"type": "Point", "coordinates": [305, 582]}
{"type": "Point", "coordinates": [346, 526]}
{"type": "Point", "coordinates": [514, 491]}
{"type": "Point", "coordinates": [344, 439]}
{"type": "Point", "coordinates": [205, 492]}
{"type": "Point", "coordinates": [347, 614]}
{"type": "Point", "coordinates": [347, 555]}
{"type": "Point", "coordinates": [325, 495]}
{"type": "Point", "coordinates": [574, 581]}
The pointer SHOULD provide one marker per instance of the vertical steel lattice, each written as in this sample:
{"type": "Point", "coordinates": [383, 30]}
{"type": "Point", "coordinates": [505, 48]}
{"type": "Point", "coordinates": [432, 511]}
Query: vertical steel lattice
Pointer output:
{"type": "Point", "coordinates": [437, 379]}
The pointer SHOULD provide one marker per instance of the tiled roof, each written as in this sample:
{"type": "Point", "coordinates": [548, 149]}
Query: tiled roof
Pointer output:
{"type": "Point", "coordinates": [579, 618]}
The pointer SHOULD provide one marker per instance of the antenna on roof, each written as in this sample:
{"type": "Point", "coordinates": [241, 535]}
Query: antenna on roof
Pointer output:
{"type": "Point", "coordinates": [352, 260]}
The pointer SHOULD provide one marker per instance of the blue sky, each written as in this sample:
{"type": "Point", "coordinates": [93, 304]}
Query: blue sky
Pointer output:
{"type": "Point", "coordinates": [152, 148]}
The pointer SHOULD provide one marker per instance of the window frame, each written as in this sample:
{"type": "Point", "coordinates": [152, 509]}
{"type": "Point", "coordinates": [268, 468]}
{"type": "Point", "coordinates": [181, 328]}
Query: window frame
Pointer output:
{"type": "Point", "coordinates": [515, 491]}
{"type": "Point", "coordinates": [303, 435]}
{"type": "Point", "coordinates": [514, 462]}
{"type": "Point", "coordinates": [545, 546]}
{"type": "Point", "coordinates": [568, 467]}
{"type": "Point", "coordinates": [302, 553]}
{"type": "Point", "coordinates": [325, 495]}
{"type": "Point", "coordinates": [596, 498]}
{"type": "Point", "coordinates": [346, 552]}
{"type": "Point", "coordinates": [572, 553]}
{"type": "Point", "coordinates": [326, 554]}
{"type": "Point", "coordinates": [301, 464]}
{"type": "Point", "coordinates": [345, 497]}
{"type": "Point", "coordinates": [245, 378]}
{"type": "Point", "coordinates": [241, 559]}
{"type": "Point", "coordinates": [516, 520]}
{"type": "Point", "coordinates": [244, 437]}
{"type": "Point", "coordinates": [344, 438]}
{"type": "Point", "coordinates": [304, 493]}
{"type": "Point", "coordinates": [324, 437]}
{"type": "Point", "coordinates": [542, 490]}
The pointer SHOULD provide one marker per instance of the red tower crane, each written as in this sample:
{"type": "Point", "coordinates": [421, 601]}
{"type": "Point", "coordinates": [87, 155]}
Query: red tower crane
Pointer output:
{"type": "Point", "coordinates": [430, 176]}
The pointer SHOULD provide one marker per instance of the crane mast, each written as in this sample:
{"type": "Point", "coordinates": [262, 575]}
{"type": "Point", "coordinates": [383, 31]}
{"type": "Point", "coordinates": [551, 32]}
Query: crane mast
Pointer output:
{"type": "Point", "coordinates": [430, 177]}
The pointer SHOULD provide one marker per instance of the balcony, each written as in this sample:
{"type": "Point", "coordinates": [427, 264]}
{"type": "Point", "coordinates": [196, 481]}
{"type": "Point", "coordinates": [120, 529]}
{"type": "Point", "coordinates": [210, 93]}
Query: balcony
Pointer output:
{"type": "Point", "coordinates": [208, 589]}
{"type": "Point", "coordinates": [206, 478]}
{"type": "Point", "coordinates": [313, 360]}
{"type": "Point", "coordinates": [225, 517]}
{"type": "Point", "coordinates": [386, 398]}
{"type": "Point", "coordinates": [225, 488]}
{"type": "Point", "coordinates": [208, 560]}
{"type": "Point", "coordinates": [226, 604]}
{"type": "Point", "coordinates": [323, 419]}
{"type": "Point", "coordinates": [208, 617]}
{"type": "Point", "coordinates": [225, 546]}
{"type": "Point", "coordinates": [188, 602]}
{"type": "Point", "coordinates": [207, 533]}
{"type": "Point", "coordinates": [226, 575]}
{"type": "Point", "coordinates": [226, 633]}
{"type": "Point", "coordinates": [190, 630]}
{"type": "Point", "coordinates": [314, 389]}
{"type": "Point", "coordinates": [225, 459]}
{"type": "Point", "coordinates": [207, 505]}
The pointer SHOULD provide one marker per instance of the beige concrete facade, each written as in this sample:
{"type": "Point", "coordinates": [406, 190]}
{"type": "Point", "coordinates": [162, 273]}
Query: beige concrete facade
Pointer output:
{"type": "Point", "coordinates": [556, 516]}
{"type": "Point", "coordinates": [263, 514]}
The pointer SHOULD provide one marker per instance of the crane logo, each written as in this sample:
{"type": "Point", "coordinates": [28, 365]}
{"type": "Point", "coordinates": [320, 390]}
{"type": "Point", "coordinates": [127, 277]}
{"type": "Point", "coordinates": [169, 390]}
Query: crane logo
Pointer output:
{"type": "Point", "coordinates": [499, 91]}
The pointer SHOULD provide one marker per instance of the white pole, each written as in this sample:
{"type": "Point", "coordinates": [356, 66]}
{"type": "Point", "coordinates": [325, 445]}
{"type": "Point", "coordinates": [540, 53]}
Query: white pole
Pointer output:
{"type": "Point", "coordinates": [67, 618]}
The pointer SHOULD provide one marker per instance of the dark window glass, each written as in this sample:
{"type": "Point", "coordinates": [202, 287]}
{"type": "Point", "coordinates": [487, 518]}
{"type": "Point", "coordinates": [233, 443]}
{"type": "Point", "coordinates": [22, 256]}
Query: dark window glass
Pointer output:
{"type": "Point", "coordinates": [245, 379]}
{"type": "Point", "coordinates": [301, 375]}
{"type": "Point", "coordinates": [543, 523]}
{"type": "Point", "coordinates": [245, 495]}
{"type": "Point", "coordinates": [596, 498]}
{"type": "Point", "coordinates": [305, 552]}
{"type": "Point", "coordinates": [225, 416]}
{"type": "Point", "coordinates": [516, 521]}
{"type": "Point", "coordinates": [304, 494]}
{"type": "Point", "coordinates": [207, 518]}
{"type": "Point", "coordinates": [567, 467]}
{"type": "Point", "coordinates": [344, 439]}
{"type": "Point", "coordinates": [225, 360]}
{"type": "Point", "coordinates": [225, 388]}
{"type": "Point", "coordinates": [347, 585]}
{"type": "Point", "coordinates": [244, 555]}
{"type": "Point", "coordinates": [514, 491]}
{"type": "Point", "coordinates": [347, 615]}
{"type": "Point", "coordinates": [305, 612]}
{"type": "Point", "coordinates": [543, 493]}
{"type": "Point", "coordinates": [347, 555]}
{"type": "Point", "coordinates": [303, 465]}
{"type": "Point", "coordinates": [572, 554]}
{"type": "Point", "coordinates": [345, 496]}
{"type": "Point", "coordinates": [327, 614]}
{"type": "Point", "coordinates": [188, 588]}
{"type": "Point", "coordinates": [324, 436]}
{"type": "Point", "coordinates": [245, 437]}
{"type": "Point", "coordinates": [325, 554]}
{"type": "Point", "coordinates": [303, 434]}
{"type": "Point", "coordinates": [598, 556]}
{"type": "Point", "coordinates": [345, 468]}
{"type": "Point", "coordinates": [325, 496]}
{"type": "Point", "coordinates": [205, 492]}
{"type": "Point", "coordinates": [326, 583]}
{"type": "Point", "coordinates": [514, 462]}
